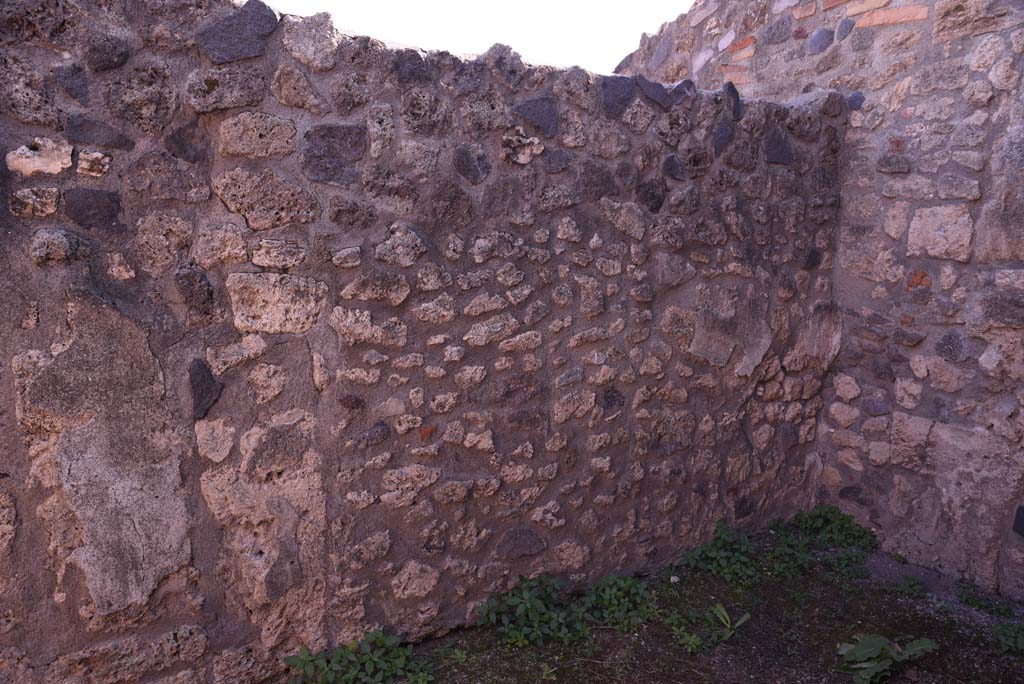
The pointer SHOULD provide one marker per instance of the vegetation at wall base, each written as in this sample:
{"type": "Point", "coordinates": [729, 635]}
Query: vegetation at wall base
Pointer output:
{"type": "Point", "coordinates": [781, 599]}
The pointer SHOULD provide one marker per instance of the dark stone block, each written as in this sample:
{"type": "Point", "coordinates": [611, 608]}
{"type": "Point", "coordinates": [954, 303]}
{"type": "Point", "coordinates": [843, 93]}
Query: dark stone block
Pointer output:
{"type": "Point", "coordinates": [683, 90]}
{"type": "Point", "coordinates": [240, 34]}
{"type": "Point", "coordinates": [84, 130]}
{"type": "Point", "coordinates": [195, 289]}
{"type": "Point", "coordinates": [555, 160]}
{"type": "Point", "coordinates": [820, 40]}
{"type": "Point", "coordinates": [651, 194]}
{"type": "Point", "coordinates": [520, 542]}
{"type": "Point", "coordinates": [612, 399]}
{"type": "Point", "coordinates": [951, 347]}
{"type": "Point", "coordinates": [378, 433]}
{"type": "Point", "coordinates": [855, 100]}
{"type": "Point", "coordinates": [330, 151]}
{"type": "Point", "coordinates": [206, 388]}
{"type": "Point", "coordinates": [908, 338]}
{"type": "Point", "coordinates": [542, 112]}
{"type": "Point", "coordinates": [1005, 308]}
{"type": "Point", "coordinates": [617, 92]}
{"type": "Point", "coordinates": [188, 142]}
{"type": "Point", "coordinates": [410, 67]}
{"type": "Point", "coordinates": [93, 208]}
{"type": "Point", "coordinates": [813, 259]}
{"type": "Point", "coordinates": [471, 164]}
{"type": "Point", "coordinates": [105, 52]}
{"type": "Point", "coordinates": [596, 181]}
{"type": "Point", "coordinates": [723, 134]}
{"type": "Point", "coordinates": [1018, 521]}
{"type": "Point", "coordinates": [777, 149]}
{"type": "Point", "coordinates": [893, 163]}
{"type": "Point", "coordinates": [876, 407]}
{"type": "Point", "coordinates": [73, 80]}
{"type": "Point", "coordinates": [734, 98]}
{"type": "Point", "coordinates": [844, 28]}
{"type": "Point", "coordinates": [656, 93]}
{"type": "Point", "coordinates": [673, 167]}
{"type": "Point", "coordinates": [778, 31]}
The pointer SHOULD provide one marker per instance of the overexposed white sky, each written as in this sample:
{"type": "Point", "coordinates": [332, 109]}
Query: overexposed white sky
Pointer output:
{"type": "Point", "coordinates": [593, 35]}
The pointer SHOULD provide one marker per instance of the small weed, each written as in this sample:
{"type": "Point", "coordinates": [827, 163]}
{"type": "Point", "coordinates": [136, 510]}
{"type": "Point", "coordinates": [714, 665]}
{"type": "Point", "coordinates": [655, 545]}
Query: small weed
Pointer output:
{"type": "Point", "coordinates": [970, 595]}
{"type": "Point", "coordinates": [829, 527]}
{"type": "Point", "coordinates": [729, 555]}
{"type": "Point", "coordinates": [1010, 637]}
{"type": "Point", "coordinates": [460, 656]}
{"type": "Point", "coordinates": [620, 602]}
{"type": "Point", "coordinates": [848, 563]}
{"type": "Point", "coordinates": [872, 658]}
{"type": "Point", "coordinates": [723, 625]}
{"type": "Point", "coordinates": [376, 659]}
{"type": "Point", "coordinates": [911, 587]}
{"type": "Point", "coordinates": [536, 611]}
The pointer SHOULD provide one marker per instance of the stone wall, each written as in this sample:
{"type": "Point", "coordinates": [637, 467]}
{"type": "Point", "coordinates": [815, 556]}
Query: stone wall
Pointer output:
{"type": "Point", "coordinates": [307, 336]}
{"type": "Point", "coordinates": [925, 416]}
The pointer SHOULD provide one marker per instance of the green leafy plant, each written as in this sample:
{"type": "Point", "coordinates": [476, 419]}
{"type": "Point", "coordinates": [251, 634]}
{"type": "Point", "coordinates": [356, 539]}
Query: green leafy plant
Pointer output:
{"type": "Point", "coordinates": [729, 555]}
{"type": "Point", "coordinates": [375, 659]}
{"type": "Point", "coordinates": [789, 557]}
{"type": "Point", "coordinates": [873, 658]}
{"type": "Point", "coordinates": [909, 586]}
{"type": "Point", "coordinates": [536, 611]}
{"type": "Point", "coordinates": [620, 602]}
{"type": "Point", "coordinates": [970, 595]}
{"type": "Point", "coordinates": [722, 624]}
{"type": "Point", "coordinates": [847, 562]}
{"type": "Point", "coordinates": [829, 527]}
{"type": "Point", "coordinates": [1010, 637]}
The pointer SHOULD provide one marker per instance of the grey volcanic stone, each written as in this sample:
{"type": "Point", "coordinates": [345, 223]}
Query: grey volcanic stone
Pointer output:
{"type": "Point", "coordinates": [73, 80]}
{"type": "Point", "coordinates": [195, 289]}
{"type": "Point", "coordinates": [84, 130]}
{"type": "Point", "coordinates": [331, 149]}
{"type": "Point", "coordinates": [724, 131]}
{"type": "Point", "coordinates": [555, 160]}
{"type": "Point", "coordinates": [855, 100]}
{"type": "Point", "coordinates": [819, 40]}
{"type": "Point", "coordinates": [411, 68]}
{"type": "Point", "coordinates": [205, 387]}
{"type": "Point", "coordinates": [673, 167]}
{"type": "Point", "coordinates": [656, 92]}
{"type": "Point", "coordinates": [520, 542]}
{"type": "Point", "coordinates": [844, 28]}
{"type": "Point", "coordinates": [777, 148]}
{"type": "Point", "coordinates": [93, 208]}
{"type": "Point", "coordinates": [893, 163]}
{"type": "Point", "coordinates": [617, 92]}
{"type": "Point", "coordinates": [188, 142]}
{"type": "Point", "coordinates": [224, 87]}
{"type": "Point", "coordinates": [106, 52]}
{"type": "Point", "coordinates": [951, 347]}
{"type": "Point", "coordinates": [471, 163]}
{"type": "Point", "coordinates": [778, 31]}
{"type": "Point", "coordinates": [734, 98]}
{"type": "Point", "coordinates": [239, 35]}
{"type": "Point", "coordinates": [542, 112]}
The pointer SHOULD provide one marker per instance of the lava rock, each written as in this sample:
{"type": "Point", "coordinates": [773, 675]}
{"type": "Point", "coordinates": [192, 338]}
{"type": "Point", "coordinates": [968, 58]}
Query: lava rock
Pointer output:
{"type": "Point", "coordinates": [734, 97]}
{"type": "Point", "coordinates": [411, 68]}
{"type": "Point", "coordinates": [855, 100]}
{"type": "Point", "coordinates": [844, 28]}
{"type": "Point", "coordinates": [893, 163]}
{"type": "Point", "coordinates": [84, 130]}
{"type": "Point", "coordinates": [520, 542]}
{"type": "Point", "coordinates": [1018, 521]}
{"type": "Point", "coordinates": [93, 208]}
{"type": "Point", "coordinates": [106, 52]}
{"type": "Point", "coordinates": [188, 142]}
{"type": "Point", "coordinates": [777, 149]}
{"type": "Point", "coordinates": [471, 163]}
{"type": "Point", "coordinates": [778, 31]}
{"type": "Point", "coordinates": [238, 35]}
{"type": "Point", "coordinates": [723, 134]}
{"type": "Point", "coordinates": [651, 194]}
{"type": "Point", "coordinates": [206, 388]}
{"type": "Point", "coordinates": [683, 90]}
{"type": "Point", "coordinates": [542, 112]}
{"type": "Point", "coordinates": [656, 93]}
{"type": "Point", "coordinates": [951, 347]}
{"type": "Point", "coordinates": [330, 151]}
{"type": "Point", "coordinates": [72, 78]}
{"type": "Point", "coordinates": [673, 167]}
{"type": "Point", "coordinates": [617, 93]}
{"type": "Point", "coordinates": [819, 40]}
{"type": "Point", "coordinates": [555, 160]}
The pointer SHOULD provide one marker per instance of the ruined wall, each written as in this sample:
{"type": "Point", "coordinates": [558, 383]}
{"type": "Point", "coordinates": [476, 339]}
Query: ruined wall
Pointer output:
{"type": "Point", "coordinates": [306, 336]}
{"type": "Point", "coordinates": [925, 416]}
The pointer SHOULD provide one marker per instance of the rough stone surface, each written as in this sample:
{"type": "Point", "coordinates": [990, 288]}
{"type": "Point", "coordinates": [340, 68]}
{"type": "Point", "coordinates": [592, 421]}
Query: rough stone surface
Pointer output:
{"type": "Point", "coordinates": [929, 228]}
